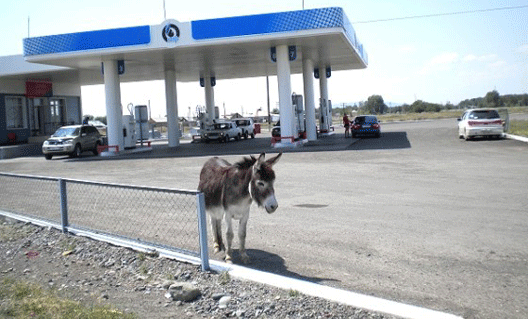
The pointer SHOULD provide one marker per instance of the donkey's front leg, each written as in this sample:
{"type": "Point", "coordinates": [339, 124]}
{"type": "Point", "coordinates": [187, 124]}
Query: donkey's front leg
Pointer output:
{"type": "Point", "coordinates": [242, 237]}
{"type": "Point", "coordinates": [216, 227]}
{"type": "Point", "coordinates": [229, 239]}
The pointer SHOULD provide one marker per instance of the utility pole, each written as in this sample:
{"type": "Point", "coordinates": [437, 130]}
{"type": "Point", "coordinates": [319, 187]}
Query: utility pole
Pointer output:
{"type": "Point", "coordinates": [269, 113]}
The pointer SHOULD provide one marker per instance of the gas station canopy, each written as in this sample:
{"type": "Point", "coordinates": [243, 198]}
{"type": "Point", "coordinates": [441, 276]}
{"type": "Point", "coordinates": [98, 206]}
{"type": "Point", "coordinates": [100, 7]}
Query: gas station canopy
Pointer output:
{"type": "Point", "coordinates": [225, 48]}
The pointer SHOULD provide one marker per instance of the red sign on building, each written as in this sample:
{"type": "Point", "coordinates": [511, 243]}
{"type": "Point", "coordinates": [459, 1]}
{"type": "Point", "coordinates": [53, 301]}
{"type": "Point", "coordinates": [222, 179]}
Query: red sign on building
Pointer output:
{"type": "Point", "coordinates": [38, 88]}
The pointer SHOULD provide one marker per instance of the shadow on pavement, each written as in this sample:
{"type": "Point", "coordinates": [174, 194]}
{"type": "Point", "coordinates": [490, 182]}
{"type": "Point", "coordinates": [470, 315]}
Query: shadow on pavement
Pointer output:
{"type": "Point", "coordinates": [272, 263]}
{"type": "Point", "coordinates": [335, 142]}
{"type": "Point", "coordinates": [387, 141]}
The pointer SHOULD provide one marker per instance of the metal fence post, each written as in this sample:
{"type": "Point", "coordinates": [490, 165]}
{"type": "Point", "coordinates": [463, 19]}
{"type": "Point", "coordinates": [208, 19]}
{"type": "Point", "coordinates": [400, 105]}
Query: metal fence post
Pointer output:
{"type": "Point", "coordinates": [202, 230]}
{"type": "Point", "coordinates": [64, 205]}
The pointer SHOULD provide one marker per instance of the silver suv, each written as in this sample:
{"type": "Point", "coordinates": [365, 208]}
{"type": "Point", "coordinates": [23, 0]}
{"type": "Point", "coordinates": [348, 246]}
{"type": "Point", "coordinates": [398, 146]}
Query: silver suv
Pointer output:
{"type": "Point", "coordinates": [72, 141]}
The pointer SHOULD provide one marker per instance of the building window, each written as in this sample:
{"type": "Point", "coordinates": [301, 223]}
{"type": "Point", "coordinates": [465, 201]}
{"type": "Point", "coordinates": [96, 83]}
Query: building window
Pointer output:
{"type": "Point", "coordinates": [15, 112]}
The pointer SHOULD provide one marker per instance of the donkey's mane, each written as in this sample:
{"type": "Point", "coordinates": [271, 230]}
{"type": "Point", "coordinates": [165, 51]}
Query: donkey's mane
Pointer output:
{"type": "Point", "coordinates": [245, 163]}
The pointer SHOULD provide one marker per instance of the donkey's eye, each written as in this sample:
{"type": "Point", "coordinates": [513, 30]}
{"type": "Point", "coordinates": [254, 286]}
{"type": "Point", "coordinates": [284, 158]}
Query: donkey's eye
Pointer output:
{"type": "Point", "coordinates": [260, 184]}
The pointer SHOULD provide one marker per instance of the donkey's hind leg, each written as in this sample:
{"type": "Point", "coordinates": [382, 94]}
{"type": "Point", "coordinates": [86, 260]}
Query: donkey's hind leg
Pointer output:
{"type": "Point", "coordinates": [216, 225]}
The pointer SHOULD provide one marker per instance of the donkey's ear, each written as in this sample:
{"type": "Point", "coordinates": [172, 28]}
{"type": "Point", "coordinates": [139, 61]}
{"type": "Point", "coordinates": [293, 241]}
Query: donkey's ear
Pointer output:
{"type": "Point", "coordinates": [272, 161]}
{"type": "Point", "coordinates": [261, 158]}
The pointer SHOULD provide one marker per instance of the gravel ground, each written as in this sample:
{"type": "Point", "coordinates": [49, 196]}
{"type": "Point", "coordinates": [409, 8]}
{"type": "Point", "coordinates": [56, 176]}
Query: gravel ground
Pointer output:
{"type": "Point", "coordinates": [93, 272]}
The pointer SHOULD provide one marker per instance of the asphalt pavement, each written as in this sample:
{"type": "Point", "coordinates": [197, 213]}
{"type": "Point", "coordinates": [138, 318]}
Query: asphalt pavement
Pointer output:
{"type": "Point", "coordinates": [417, 216]}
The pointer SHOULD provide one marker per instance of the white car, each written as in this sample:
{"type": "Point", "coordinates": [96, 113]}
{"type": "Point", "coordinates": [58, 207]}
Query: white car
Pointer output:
{"type": "Point", "coordinates": [480, 122]}
{"type": "Point", "coordinates": [247, 126]}
{"type": "Point", "coordinates": [222, 131]}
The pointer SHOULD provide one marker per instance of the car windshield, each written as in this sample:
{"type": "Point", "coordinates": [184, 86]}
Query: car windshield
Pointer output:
{"type": "Point", "coordinates": [66, 131]}
{"type": "Point", "coordinates": [221, 126]}
{"type": "Point", "coordinates": [366, 119]}
{"type": "Point", "coordinates": [484, 115]}
{"type": "Point", "coordinates": [242, 122]}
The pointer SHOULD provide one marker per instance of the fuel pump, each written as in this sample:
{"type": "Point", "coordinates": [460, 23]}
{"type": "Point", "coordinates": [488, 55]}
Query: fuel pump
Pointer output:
{"type": "Point", "coordinates": [129, 131]}
{"type": "Point", "coordinates": [323, 116]}
{"type": "Point", "coordinates": [298, 113]}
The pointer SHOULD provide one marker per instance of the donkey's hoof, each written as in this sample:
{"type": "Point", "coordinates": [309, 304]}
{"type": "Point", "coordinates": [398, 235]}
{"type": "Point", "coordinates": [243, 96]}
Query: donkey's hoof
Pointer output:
{"type": "Point", "coordinates": [218, 248]}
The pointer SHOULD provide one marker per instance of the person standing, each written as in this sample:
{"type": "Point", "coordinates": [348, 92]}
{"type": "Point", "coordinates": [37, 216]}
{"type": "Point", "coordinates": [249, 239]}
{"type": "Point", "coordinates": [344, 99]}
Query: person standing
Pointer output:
{"type": "Point", "coordinates": [346, 123]}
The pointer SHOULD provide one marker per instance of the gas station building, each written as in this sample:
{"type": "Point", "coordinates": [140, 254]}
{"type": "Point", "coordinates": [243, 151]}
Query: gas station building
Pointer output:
{"type": "Point", "coordinates": [41, 89]}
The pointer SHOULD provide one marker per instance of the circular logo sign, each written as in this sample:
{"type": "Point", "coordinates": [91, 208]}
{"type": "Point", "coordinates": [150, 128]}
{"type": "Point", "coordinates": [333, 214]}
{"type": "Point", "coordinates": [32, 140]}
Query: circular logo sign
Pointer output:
{"type": "Point", "coordinates": [170, 33]}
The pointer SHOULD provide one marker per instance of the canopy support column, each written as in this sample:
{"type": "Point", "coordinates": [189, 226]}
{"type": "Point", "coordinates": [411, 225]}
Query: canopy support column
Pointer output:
{"type": "Point", "coordinates": [114, 113]}
{"type": "Point", "coordinates": [309, 100]}
{"type": "Point", "coordinates": [173, 129]}
{"type": "Point", "coordinates": [285, 101]}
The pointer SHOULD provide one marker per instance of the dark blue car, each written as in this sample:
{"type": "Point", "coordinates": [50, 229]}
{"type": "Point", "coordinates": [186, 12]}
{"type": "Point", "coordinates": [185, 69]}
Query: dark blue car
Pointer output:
{"type": "Point", "coordinates": [366, 125]}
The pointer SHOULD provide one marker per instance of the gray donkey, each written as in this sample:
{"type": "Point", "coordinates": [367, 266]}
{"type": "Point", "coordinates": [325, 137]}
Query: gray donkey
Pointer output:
{"type": "Point", "coordinates": [229, 191]}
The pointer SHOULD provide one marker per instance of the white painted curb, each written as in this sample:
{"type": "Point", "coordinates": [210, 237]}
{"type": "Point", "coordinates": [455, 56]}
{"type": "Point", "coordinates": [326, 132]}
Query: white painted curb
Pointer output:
{"type": "Point", "coordinates": [333, 294]}
{"type": "Point", "coordinates": [517, 137]}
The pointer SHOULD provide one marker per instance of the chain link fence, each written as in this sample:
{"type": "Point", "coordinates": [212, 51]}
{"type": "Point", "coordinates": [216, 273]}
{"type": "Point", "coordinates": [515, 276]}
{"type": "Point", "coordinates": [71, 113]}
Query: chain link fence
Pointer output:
{"type": "Point", "coordinates": [161, 217]}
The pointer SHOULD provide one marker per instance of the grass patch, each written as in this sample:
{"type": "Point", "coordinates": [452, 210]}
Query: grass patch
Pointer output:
{"type": "Point", "coordinates": [446, 114]}
{"type": "Point", "coordinates": [420, 116]}
{"type": "Point", "coordinates": [224, 278]}
{"type": "Point", "coordinates": [24, 300]}
{"type": "Point", "coordinates": [519, 127]}
{"type": "Point", "coordinates": [11, 233]}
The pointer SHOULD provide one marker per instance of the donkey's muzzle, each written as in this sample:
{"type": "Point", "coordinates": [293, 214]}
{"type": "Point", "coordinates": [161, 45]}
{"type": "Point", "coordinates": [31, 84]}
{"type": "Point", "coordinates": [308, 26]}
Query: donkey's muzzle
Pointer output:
{"type": "Point", "coordinates": [272, 208]}
{"type": "Point", "coordinates": [271, 204]}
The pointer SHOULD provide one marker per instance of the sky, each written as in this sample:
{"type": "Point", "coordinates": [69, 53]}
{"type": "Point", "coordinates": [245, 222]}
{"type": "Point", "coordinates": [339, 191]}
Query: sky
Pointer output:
{"type": "Point", "coordinates": [437, 59]}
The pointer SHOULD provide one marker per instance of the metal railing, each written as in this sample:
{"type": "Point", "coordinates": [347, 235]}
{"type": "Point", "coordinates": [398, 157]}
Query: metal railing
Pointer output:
{"type": "Point", "coordinates": [162, 219]}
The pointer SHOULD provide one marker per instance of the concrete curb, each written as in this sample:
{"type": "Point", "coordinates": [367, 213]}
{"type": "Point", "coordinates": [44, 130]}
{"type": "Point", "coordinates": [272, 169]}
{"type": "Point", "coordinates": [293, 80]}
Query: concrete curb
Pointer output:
{"type": "Point", "coordinates": [516, 137]}
{"type": "Point", "coordinates": [333, 294]}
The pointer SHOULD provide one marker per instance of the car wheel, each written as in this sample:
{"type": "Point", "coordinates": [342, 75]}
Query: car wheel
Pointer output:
{"type": "Point", "coordinates": [466, 136]}
{"type": "Point", "coordinates": [252, 135]}
{"type": "Point", "coordinates": [96, 149]}
{"type": "Point", "coordinates": [226, 138]}
{"type": "Point", "coordinates": [246, 135]}
{"type": "Point", "coordinates": [76, 151]}
{"type": "Point", "coordinates": [239, 137]}
{"type": "Point", "coordinates": [48, 156]}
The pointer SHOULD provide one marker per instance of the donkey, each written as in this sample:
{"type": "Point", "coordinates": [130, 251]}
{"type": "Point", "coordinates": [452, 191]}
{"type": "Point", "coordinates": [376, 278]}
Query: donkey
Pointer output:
{"type": "Point", "coordinates": [229, 191]}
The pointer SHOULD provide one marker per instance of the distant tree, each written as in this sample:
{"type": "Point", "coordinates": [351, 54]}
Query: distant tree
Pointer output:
{"type": "Point", "coordinates": [418, 106]}
{"type": "Point", "coordinates": [376, 105]}
{"type": "Point", "coordinates": [492, 99]}
{"type": "Point", "coordinates": [515, 99]}
{"type": "Point", "coordinates": [101, 118]}
{"type": "Point", "coordinates": [275, 111]}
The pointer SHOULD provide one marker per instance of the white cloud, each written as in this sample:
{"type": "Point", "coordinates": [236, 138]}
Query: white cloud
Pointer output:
{"type": "Point", "coordinates": [444, 58]}
{"type": "Point", "coordinates": [497, 64]}
{"type": "Point", "coordinates": [469, 58]}
{"type": "Point", "coordinates": [523, 49]}
{"type": "Point", "coordinates": [480, 58]}
{"type": "Point", "coordinates": [440, 62]}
